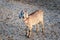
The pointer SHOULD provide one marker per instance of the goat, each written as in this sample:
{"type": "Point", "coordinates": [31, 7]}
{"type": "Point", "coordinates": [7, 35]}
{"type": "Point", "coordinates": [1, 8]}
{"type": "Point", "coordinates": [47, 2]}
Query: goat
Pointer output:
{"type": "Point", "coordinates": [32, 19]}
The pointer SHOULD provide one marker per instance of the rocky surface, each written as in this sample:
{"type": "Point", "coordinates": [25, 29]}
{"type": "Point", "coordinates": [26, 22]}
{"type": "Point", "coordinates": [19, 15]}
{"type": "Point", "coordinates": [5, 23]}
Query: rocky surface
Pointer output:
{"type": "Point", "coordinates": [13, 28]}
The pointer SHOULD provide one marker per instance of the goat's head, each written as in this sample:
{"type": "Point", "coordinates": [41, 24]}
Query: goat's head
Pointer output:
{"type": "Point", "coordinates": [23, 14]}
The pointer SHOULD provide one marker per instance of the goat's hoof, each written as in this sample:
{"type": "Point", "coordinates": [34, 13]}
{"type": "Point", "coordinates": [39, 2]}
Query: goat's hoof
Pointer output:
{"type": "Point", "coordinates": [37, 33]}
{"type": "Point", "coordinates": [28, 36]}
{"type": "Point", "coordinates": [43, 32]}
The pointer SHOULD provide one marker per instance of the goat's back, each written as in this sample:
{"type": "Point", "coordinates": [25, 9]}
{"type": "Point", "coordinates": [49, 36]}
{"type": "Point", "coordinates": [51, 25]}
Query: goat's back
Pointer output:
{"type": "Point", "coordinates": [35, 17]}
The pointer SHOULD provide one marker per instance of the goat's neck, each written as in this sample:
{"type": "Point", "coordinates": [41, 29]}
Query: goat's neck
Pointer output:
{"type": "Point", "coordinates": [25, 19]}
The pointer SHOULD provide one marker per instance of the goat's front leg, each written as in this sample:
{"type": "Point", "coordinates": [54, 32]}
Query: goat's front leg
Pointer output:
{"type": "Point", "coordinates": [30, 31]}
{"type": "Point", "coordinates": [27, 31]}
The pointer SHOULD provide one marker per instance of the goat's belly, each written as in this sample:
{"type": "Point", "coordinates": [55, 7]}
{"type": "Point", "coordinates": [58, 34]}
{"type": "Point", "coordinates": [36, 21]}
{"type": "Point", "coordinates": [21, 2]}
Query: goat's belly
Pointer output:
{"type": "Point", "coordinates": [35, 22]}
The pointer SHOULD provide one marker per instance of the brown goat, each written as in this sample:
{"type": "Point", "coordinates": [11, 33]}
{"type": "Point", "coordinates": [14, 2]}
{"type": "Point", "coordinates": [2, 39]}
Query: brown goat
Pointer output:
{"type": "Point", "coordinates": [33, 19]}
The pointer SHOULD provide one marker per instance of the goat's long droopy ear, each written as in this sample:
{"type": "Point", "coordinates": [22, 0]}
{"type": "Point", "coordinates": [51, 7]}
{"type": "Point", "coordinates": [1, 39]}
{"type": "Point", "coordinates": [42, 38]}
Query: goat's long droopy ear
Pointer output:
{"type": "Point", "coordinates": [20, 14]}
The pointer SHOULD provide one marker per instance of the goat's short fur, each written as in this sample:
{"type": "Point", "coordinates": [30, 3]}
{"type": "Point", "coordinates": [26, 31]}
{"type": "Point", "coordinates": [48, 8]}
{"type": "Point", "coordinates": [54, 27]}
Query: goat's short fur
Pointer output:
{"type": "Point", "coordinates": [33, 19]}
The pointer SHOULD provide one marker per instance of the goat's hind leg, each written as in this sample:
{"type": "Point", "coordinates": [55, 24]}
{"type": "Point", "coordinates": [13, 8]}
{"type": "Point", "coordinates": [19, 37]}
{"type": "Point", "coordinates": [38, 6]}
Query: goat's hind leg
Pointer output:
{"type": "Point", "coordinates": [37, 28]}
{"type": "Point", "coordinates": [43, 28]}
